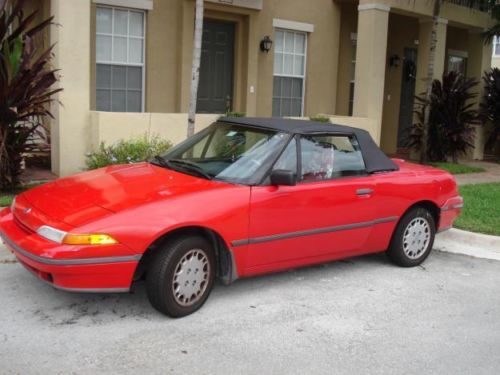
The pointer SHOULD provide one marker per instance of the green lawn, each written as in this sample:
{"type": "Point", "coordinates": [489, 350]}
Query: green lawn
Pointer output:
{"type": "Point", "coordinates": [6, 197]}
{"type": "Point", "coordinates": [457, 168]}
{"type": "Point", "coordinates": [481, 212]}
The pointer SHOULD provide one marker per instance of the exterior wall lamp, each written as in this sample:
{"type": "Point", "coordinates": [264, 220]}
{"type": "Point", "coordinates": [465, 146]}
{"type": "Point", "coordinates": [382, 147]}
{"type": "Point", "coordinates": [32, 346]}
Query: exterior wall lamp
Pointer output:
{"type": "Point", "coordinates": [266, 44]}
{"type": "Point", "coordinates": [394, 61]}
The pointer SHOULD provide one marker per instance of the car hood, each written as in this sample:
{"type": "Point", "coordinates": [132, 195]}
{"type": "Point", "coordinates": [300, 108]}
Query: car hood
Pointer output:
{"type": "Point", "coordinates": [88, 196]}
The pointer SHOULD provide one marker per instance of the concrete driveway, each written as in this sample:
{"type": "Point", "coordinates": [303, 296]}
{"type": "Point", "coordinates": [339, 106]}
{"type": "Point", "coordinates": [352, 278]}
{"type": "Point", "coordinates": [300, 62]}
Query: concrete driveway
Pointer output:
{"type": "Point", "coordinates": [362, 315]}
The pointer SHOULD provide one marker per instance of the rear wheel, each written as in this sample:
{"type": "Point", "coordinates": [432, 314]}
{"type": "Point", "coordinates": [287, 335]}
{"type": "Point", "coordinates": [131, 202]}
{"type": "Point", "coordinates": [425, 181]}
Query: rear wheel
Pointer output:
{"type": "Point", "coordinates": [181, 276]}
{"type": "Point", "coordinates": [413, 239]}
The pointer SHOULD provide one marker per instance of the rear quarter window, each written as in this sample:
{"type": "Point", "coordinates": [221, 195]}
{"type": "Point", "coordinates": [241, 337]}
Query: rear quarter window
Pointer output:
{"type": "Point", "coordinates": [325, 157]}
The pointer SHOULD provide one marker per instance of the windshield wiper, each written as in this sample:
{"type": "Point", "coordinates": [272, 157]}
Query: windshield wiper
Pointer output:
{"type": "Point", "coordinates": [162, 162]}
{"type": "Point", "coordinates": [190, 166]}
{"type": "Point", "coordinates": [175, 164]}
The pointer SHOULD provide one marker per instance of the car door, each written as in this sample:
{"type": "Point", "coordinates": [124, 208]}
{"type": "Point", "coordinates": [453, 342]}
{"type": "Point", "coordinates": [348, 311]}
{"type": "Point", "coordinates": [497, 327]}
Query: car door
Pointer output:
{"type": "Point", "coordinates": [328, 214]}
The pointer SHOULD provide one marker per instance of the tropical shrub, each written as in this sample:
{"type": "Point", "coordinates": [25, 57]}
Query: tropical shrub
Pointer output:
{"type": "Point", "coordinates": [232, 114]}
{"type": "Point", "coordinates": [26, 80]}
{"type": "Point", "coordinates": [490, 107]}
{"type": "Point", "coordinates": [127, 151]}
{"type": "Point", "coordinates": [320, 118]}
{"type": "Point", "coordinates": [452, 116]}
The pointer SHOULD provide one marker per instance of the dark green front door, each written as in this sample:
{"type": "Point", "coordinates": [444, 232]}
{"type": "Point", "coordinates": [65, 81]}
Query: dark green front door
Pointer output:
{"type": "Point", "coordinates": [215, 91]}
{"type": "Point", "coordinates": [407, 95]}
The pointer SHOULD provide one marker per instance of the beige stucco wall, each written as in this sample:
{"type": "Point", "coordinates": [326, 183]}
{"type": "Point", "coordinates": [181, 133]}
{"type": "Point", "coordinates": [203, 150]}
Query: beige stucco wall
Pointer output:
{"type": "Point", "coordinates": [348, 27]}
{"type": "Point", "coordinates": [456, 38]}
{"type": "Point", "coordinates": [477, 153]}
{"type": "Point", "coordinates": [70, 129]}
{"type": "Point", "coordinates": [110, 127]}
{"type": "Point", "coordinates": [370, 125]}
{"type": "Point", "coordinates": [256, 67]}
{"type": "Point", "coordinates": [169, 38]}
{"type": "Point", "coordinates": [322, 52]}
{"type": "Point", "coordinates": [163, 52]}
{"type": "Point", "coordinates": [162, 56]}
{"type": "Point", "coordinates": [372, 35]}
{"type": "Point", "coordinates": [458, 15]}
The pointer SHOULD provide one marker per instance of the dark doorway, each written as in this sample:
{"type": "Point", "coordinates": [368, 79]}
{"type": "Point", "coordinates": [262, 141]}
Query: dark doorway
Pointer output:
{"type": "Point", "coordinates": [215, 91]}
{"type": "Point", "coordinates": [407, 95]}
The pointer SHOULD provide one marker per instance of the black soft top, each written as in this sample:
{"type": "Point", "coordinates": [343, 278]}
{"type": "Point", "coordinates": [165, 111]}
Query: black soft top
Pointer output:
{"type": "Point", "coordinates": [375, 159]}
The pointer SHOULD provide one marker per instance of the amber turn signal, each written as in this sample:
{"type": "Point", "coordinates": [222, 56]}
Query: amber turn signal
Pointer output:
{"type": "Point", "coordinates": [88, 239]}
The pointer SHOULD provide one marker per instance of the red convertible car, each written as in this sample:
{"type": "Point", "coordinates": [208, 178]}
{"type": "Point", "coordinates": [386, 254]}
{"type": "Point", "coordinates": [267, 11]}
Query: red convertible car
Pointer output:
{"type": "Point", "coordinates": [245, 196]}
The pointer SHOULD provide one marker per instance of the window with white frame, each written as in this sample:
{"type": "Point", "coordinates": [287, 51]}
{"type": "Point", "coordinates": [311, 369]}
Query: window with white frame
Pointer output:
{"type": "Point", "coordinates": [457, 61]}
{"type": "Point", "coordinates": [289, 73]}
{"type": "Point", "coordinates": [120, 44]}
{"type": "Point", "coordinates": [496, 46]}
{"type": "Point", "coordinates": [457, 64]}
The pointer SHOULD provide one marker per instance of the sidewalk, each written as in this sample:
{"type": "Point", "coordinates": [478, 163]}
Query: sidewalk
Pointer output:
{"type": "Point", "coordinates": [31, 175]}
{"type": "Point", "coordinates": [492, 173]}
{"type": "Point", "coordinates": [468, 243]}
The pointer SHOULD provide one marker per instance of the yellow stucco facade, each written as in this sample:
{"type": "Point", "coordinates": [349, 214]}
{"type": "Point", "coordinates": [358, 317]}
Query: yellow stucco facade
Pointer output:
{"type": "Point", "coordinates": [347, 70]}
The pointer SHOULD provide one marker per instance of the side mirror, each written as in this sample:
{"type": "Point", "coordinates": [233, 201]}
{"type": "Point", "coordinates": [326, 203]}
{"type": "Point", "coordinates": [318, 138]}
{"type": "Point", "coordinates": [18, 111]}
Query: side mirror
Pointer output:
{"type": "Point", "coordinates": [283, 177]}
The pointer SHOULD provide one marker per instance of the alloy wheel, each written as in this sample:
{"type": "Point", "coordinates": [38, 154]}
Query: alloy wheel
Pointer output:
{"type": "Point", "coordinates": [416, 238]}
{"type": "Point", "coordinates": [191, 277]}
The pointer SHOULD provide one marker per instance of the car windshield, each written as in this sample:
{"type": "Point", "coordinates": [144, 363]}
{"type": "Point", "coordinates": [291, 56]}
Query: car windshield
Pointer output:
{"type": "Point", "coordinates": [234, 153]}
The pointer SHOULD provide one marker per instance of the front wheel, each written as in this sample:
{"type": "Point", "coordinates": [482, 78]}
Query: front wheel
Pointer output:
{"type": "Point", "coordinates": [181, 276]}
{"type": "Point", "coordinates": [413, 239]}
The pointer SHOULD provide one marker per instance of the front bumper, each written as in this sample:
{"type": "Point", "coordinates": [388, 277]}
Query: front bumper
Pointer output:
{"type": "Point", "coordinates": [108, 268]}
{"type": "Point", "coordinates": [449, 212]}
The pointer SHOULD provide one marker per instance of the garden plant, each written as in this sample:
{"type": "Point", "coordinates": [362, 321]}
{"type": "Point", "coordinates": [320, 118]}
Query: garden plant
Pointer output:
{"type": "Point", "coordinates": [452, 117]}
{"type": "Point", "coordinates": [26, 86]}
{"type": "Point", "coordinates": [127, 151]}
{"type": "Point", "coordinates": [490, 107]}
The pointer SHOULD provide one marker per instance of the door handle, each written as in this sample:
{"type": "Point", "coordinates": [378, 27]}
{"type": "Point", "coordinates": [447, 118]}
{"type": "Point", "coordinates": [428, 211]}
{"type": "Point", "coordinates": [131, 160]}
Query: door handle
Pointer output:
{"type": "Point", "coordinates": [364, 191]}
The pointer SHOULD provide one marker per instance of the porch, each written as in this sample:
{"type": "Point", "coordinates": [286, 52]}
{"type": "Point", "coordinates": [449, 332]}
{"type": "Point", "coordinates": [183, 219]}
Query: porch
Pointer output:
{"type": "Point", "coordinates": [391, 41]}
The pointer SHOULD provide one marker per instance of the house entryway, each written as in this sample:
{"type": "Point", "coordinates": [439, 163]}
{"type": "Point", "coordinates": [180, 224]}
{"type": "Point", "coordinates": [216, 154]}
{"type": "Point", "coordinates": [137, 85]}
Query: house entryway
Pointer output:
{"type": "Point", "coordinates": [407, 98]}
{"type": "Point", "coordinates": [36, 162]}
{"type": "Point", "coordinates": [215, 91]}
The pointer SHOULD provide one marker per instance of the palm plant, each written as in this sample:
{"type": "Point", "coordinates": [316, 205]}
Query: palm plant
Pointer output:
{"type": "Point", "coordinates": [26, 80]}
{"type": "Point", "coordinates": [490, 107]}
{"type": "Point", "coordinates": [425, 121]}
{"type": "Point", "coordinates": [491, 6]}
{"type": "Point", "coordinates": [451, 118]}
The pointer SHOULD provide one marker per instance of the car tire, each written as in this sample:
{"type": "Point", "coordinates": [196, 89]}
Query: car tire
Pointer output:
{"type": "Point", "coordinates": [181, 276]}
{"type": "Point", "coordinates": [413, 238]}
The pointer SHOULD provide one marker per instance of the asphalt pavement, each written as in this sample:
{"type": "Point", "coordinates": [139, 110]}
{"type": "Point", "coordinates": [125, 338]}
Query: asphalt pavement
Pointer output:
{"type": "Point", "coordinates": [358, 316]}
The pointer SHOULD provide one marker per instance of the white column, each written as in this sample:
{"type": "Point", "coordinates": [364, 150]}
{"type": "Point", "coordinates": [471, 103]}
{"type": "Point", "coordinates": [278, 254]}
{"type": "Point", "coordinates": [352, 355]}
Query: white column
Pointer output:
{"type": "Point", "coordinates": [478, 62]}
{"type": "Point", "coordinates": [371, 52]}
{"type": "Point", "coordinates": [70, 131]}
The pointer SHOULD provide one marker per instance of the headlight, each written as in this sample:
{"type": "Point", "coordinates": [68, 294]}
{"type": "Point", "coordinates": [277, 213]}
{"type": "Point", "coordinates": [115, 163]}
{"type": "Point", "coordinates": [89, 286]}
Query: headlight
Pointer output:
{"type": "Point", "coordinates": [51, 234]}
{"type": "Point", "coordinates": [66, 238]}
